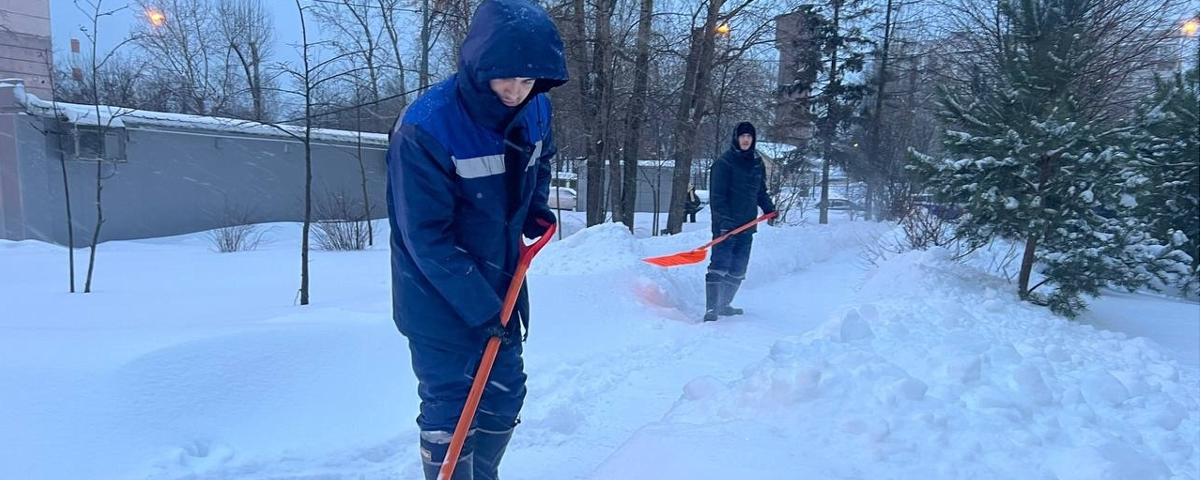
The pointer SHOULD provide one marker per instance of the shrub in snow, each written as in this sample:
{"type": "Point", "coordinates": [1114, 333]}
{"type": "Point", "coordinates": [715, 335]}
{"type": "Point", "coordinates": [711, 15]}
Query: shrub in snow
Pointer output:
{"type": "Point", "coordinates": [343, 224]}
{"type": "Point", "coordinates": [240, 235]}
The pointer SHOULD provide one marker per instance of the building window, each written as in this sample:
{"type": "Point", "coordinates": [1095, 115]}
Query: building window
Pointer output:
{"type": "Point", "coordinates": [91, 145]}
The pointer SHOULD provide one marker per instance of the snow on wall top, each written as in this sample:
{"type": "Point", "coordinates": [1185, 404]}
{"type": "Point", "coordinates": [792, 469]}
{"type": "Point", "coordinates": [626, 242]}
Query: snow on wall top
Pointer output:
{"type": "Point", "coordinates": [118, 117]}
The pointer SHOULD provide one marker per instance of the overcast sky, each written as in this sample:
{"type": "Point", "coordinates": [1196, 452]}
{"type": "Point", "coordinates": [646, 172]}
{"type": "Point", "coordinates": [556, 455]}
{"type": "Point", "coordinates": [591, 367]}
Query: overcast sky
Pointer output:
{"type": "Point", "coordinates": [66, 19]}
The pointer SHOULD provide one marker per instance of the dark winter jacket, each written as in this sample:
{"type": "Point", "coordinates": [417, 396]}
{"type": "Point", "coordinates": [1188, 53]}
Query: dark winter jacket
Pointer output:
{"type": "Point", "coordinates": [693, 203]}
{"type": "Point", "coordinates": [738, 188]}
{"type": "Point", "coordinates": [467, 176]}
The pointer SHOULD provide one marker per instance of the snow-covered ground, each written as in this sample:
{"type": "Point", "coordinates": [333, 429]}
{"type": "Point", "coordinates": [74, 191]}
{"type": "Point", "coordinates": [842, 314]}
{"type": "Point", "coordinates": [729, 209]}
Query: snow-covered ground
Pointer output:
{"type": "Point", "coordinates": [188, 364]}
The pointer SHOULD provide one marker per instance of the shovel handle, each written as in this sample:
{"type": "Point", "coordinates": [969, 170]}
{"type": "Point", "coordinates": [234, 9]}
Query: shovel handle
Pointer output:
{"type": "Point", "coordinates": [489, 353]}
{"type": "Point", "coordinates": [722, 238]}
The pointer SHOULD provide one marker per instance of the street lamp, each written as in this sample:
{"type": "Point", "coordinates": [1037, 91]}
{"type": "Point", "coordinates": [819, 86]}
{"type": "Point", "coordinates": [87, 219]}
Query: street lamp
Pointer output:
{"type": "Point", "coordinates": [156, 17]}
{"type": "Point", "coordinates": [1190, 27]}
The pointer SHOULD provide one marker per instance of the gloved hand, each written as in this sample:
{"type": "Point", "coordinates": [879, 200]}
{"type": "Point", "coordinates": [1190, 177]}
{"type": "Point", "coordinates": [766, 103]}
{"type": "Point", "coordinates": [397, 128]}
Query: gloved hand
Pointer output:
{"type": "Point", "coordinates": [772, 220]}
{"type": "Point", "coordinates": [537, 222]}
{"type": "Point", "coordinates": [494, 329]}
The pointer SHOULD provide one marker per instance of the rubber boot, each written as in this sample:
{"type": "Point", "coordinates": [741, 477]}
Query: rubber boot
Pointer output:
{"type": "Point", "coordinates": [729, 289]}
{"type": "Point", "coordinates": [434, 445]}
{"type": "Point", "coordinates": [489, 449]}
{"type": "Point", "coordinates": [712, 296]}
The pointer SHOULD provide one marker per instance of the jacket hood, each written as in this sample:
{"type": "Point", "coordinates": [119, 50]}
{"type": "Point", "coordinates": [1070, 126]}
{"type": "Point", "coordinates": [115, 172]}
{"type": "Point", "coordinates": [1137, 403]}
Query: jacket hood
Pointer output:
{"type": "Point", "coordinates": [507, 39]}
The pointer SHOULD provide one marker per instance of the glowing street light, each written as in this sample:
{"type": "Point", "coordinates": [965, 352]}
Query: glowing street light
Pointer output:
{"type": "Point", "coordinates": [1191, 27]}
{"type": "Point", "coordinates": [156, 17]}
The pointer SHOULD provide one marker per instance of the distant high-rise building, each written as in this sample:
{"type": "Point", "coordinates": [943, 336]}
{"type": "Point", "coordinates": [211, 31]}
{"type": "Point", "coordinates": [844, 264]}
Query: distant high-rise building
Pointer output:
{"type": "Point", "coordinates": [25, 51]}
{"type": "Point", "coordinates": [797, 74]}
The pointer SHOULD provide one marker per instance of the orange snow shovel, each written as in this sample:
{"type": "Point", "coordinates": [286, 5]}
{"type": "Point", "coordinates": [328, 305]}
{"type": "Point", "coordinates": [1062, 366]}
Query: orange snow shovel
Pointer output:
{"type": "Point", "coordinates": [489, 354]}
{"type": "Point", "coordinates": [698, 255]}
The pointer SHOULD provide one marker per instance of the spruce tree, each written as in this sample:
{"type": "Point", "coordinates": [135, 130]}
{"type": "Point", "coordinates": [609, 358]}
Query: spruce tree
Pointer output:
{"type": "Point", "coordinates": [837, 47]}
{"type": "Point", "coordinates": [1167, 146]}
{"type": "Point", "coordinates": [1028, 164]}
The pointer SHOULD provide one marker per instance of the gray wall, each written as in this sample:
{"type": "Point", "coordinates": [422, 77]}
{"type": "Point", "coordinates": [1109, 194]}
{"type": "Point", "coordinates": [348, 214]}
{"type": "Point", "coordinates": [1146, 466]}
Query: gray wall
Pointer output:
{"type": "Point", "coordinates": [172, 182]}
{"type": "Point", "coordinates": [650, 180]}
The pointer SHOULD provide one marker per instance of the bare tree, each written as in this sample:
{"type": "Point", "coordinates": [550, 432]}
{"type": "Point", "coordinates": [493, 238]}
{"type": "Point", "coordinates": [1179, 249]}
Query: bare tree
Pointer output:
{"type": "Point", "coordinates": [247, 31]}
{"type": "Point", "coordinates": [359, 36]}
{"type": "Point", "coordinates": [308, 85]}
{"type": "Point", "coordinates": [426, 33]}
{"type": "Point", "coordinates": [599, 100]}
{"type": "Point", "coordinates": [60, 136]}
{"type": "Point", "coordinates": [697, 76]}
{"type": "Point", "coordinates": [388, 15]}
{"type": "Point", "coordinates": [185, 46]}
{"type": "Point", "coordinates": [120, 82]}
{"type": "Point", "coordinates": [636, 114]}
{"type": "Point", "coordinates": [95, 11]}
{"type": "Point", "coordinates": [1128, 34]}
{"type": "Point", "coordinates": [309, 81]}
{"type": "Point", "coordinates": [453, 17]}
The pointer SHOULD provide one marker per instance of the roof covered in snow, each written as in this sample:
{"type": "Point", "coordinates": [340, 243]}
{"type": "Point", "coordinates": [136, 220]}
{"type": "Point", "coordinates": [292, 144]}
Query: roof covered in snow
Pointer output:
{"type": "Point", "coordinates": [774, 150]}
{"type": "Point", "coordinates": [117, 117]}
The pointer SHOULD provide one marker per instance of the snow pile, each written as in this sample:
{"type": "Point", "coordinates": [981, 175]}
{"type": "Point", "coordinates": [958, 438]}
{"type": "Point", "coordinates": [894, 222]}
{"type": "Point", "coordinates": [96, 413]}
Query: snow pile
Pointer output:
{"type": "Point", "coordinates": [940, 374]}
{"type": "Point", "coordinates": [602, 248]}
{"type": "Point", "coordinates": [777, 253]}
{"type": "Point", "coordinates": [678, 292]}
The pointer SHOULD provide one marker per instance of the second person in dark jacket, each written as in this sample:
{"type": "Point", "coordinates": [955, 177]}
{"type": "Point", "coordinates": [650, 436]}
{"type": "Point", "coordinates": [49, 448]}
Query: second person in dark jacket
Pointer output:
{"type": "Point", "coordinates": [737, 190]}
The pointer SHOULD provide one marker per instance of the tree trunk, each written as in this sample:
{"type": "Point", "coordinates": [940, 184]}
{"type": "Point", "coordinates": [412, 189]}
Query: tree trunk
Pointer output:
{"type": "Point", "coordinates": [1026, 267]}
{"type": "Point", "coordinates": [62, 160]}
{"type": "Point", "coordinates": [362, 170]}
{"type": "Point", "coordinates": [1045, 172]}
{"type": "Point", "coordinates": [256, 90]}
{"type": "Point", "coordinates": [423, 74]}
{"type": "Point", "coordinates": [697, 72]}
{"type": "Point", "coordinates": [831, 116]}
{"type": "Point", "coordinates": [602, 99]}
{"type": "Point", "coordinates": [586, 69]}
{"type": "Point", "coordinates": [102, 130]}
{"type": "Point", "coordinates": [876, 146]}
{"type": "Point", "coordinates": [389, 24]}
{"type": "Point", "coordinates": [308, 104]}
{"type": "Point", "coordinates": [70, 221]}
{"type": "Point", "coordinates": [636, 113]}
{"type": "Point", "coordinates": [824, 219]}
{"type": "Point", "coordinates": [307, 209]}
{"type": "Point", "coordinates": [87, 285]}
{"type": "Point", "coordinates": [869, 202]}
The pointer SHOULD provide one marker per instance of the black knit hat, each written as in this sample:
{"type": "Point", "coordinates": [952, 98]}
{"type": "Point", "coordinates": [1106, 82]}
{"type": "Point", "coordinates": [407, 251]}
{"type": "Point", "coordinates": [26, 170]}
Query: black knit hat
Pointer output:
{"type": "Point", "coordinates": [744, 128]}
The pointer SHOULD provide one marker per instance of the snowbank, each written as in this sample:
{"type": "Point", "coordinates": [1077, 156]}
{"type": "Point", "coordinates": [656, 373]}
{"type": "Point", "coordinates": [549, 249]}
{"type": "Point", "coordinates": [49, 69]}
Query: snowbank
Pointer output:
{"type": "Point", "coordinates": [678, 292]}
{"type": "Point", "coordinates": [938, 374]}
{"type": "Point", "coordinates": [188, 364]}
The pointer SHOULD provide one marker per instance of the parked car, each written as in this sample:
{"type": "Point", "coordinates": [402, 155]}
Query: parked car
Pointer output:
{"type": "Point", "coordinates": [563, 198]}
{"type": "Point", "coordinates": [940, 210]}
{"type": "Point", "coordinates": [843, 204]}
